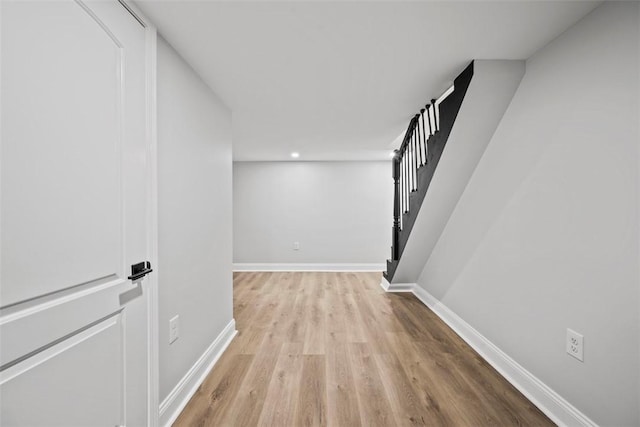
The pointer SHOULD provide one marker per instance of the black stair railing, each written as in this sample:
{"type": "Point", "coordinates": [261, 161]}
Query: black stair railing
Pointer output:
{"type": "Point", "coordinates": [414, 162]}
{"type": "Point", "coordinates": [407, 161]}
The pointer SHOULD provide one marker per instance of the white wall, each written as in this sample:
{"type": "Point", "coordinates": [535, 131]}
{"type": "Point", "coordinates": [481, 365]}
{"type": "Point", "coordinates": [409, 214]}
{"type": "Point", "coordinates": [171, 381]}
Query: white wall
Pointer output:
{"type": "Point", "coordinates": [545, 236]}
{"type": "Point", "coordinates": [194, 218]}
{"type": "Point", "coordinates": [340, 212]}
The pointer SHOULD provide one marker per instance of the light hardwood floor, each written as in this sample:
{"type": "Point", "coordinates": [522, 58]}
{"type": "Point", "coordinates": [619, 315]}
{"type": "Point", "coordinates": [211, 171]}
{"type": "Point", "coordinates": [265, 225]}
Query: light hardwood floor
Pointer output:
{"type": "Point", "coordinates": [335, 349]}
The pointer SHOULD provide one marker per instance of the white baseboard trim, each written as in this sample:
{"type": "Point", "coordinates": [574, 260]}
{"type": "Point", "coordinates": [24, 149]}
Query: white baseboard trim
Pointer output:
{"type": "Point", "coordinates": [548, 401]}
{"type": "Point", "coordinates": [175, 402]}
{"type": "Point", "coordinates": [396, 287]}
{"type": "Point", "coordinates": [308, 267]}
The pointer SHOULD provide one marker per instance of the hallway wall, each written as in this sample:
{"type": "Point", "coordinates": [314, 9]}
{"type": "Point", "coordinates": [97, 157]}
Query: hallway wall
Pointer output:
{"type": "Point", "coordinates": [339, 212]}
{"type": "Point", "coordinates": [545, 236]}
{"type": "Point", "coordinates": [194, 215]}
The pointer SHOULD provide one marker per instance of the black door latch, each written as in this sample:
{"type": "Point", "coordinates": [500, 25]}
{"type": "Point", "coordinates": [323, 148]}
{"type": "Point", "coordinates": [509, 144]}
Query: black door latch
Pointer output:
{"type": "Point", "coordinates": [140, 269]}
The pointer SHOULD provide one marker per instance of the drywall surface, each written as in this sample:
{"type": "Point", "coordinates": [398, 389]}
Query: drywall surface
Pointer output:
{"type": "Point", "coordinates": [492, 87]}
{"type": "Point", "coordinates": [194, 215]}
{"type": "Point", "coordinates": [545, 236]}
{"type": "Point", "coordinates": [339, 212]}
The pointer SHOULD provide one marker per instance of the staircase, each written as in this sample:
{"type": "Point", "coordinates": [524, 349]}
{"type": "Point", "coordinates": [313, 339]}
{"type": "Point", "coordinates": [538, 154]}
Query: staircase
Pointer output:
{"type": "Point", "coordinates": [415, 162]}
{"type": "Point", "coordinates": [441, 149]}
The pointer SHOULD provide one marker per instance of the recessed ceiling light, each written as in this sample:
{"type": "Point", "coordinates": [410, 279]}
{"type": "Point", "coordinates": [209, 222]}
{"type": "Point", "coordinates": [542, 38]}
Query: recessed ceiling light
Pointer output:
{"type": "Point", "coordinates": [295, 155]}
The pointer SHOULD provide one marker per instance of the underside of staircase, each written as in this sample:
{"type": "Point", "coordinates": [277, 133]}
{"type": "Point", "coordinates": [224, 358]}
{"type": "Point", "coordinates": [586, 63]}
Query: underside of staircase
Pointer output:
{"type": "Point", "coordinates": [434, 163]}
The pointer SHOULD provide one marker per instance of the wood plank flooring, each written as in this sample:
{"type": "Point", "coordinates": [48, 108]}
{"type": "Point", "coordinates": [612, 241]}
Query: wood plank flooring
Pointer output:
{"type": "Point", "coordinates": [318, 349]}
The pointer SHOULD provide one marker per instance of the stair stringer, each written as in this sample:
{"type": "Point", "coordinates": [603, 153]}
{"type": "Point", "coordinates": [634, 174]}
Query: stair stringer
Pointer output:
{"type": "Point", "coordinates": [493, 86]}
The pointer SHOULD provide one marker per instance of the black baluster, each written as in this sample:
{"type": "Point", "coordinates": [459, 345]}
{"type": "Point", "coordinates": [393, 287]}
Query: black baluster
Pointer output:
{"type": "Point", "coordinates": [395, 233]}
{"type": "Point", "coordinates": [402, 178]}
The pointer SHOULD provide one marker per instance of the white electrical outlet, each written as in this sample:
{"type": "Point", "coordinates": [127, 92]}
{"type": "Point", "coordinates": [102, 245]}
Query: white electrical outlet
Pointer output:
{"type": "Point", "coordinates": [296, 246]}
{"type": "Point", "coordinates": [575, 345]}
{"type": "Point", "coordinates": [174, 329]}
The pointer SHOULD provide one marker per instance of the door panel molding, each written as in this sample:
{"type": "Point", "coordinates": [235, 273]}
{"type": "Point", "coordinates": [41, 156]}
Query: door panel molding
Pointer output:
{"type": "Point", "coordinates": [34, 221]}
{"type": "Point", "coordinates": [55, 319]}
{"type": "Point", "coordinates": [67, 341]}
{"type": "Point", "coordinates": [18, 378]}
{"type": "Point", "coordinates": [42, 302]}
{"type": "Point", "coordinates": [100, 23]}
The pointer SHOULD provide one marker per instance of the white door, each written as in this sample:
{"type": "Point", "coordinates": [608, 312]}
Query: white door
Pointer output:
{"type": "Point", "coordinates": [74, 341]}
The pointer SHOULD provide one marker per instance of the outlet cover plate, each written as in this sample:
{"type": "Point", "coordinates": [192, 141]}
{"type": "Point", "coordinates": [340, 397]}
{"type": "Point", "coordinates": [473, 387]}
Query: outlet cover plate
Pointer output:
{"type": "Point", "coordinates": [575, 344]}
{"type": "Point", "coordinates": [174, 329]}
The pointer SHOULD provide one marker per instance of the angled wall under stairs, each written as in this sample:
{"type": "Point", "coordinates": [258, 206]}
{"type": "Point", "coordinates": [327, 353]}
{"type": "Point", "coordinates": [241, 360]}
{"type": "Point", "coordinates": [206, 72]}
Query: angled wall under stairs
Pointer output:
{"type": "Point", "coordinates": [468, 118]}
